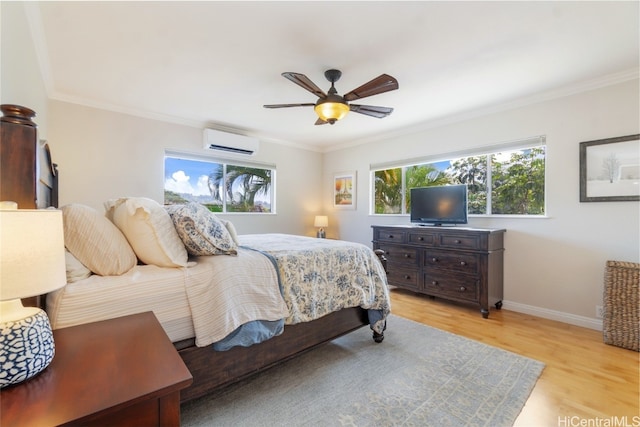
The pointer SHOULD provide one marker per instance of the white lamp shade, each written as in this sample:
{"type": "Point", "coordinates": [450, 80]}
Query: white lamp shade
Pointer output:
{"type": "Point", "coordinates": [321, 221]}
{"type": "Point", "coordinates": [32, 260]}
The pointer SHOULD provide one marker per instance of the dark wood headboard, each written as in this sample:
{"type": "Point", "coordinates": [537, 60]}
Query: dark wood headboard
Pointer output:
{"type": "Point", "coordinates": [28, 176]}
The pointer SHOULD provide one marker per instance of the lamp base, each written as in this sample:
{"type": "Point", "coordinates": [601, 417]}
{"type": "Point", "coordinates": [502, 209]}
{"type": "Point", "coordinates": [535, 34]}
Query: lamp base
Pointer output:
{"type": "Point", "coordinates": [26, 347]}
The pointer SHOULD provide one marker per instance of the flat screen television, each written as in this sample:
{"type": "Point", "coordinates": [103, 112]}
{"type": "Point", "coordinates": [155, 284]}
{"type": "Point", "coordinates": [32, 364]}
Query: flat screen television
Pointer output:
{"type": "Point", "coordinates": [439, 205]}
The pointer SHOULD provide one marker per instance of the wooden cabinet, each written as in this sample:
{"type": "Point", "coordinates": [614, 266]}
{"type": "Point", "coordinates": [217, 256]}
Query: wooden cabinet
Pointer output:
{"type": "Point", "coordinates": [456, 263]}
{"type": "Point", "coordinates": [27, 175]}
{"type": "Point", "coordinates": [117, 372]}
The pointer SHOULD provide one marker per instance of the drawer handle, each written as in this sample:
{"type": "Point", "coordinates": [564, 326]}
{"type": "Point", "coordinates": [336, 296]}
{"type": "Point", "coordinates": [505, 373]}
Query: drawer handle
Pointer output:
{"type": "Point", "coordinates": [463, 263]}
{"type": "Point", "coordinates": [462, 289]}
{"type": "Point", "coordinates": [421, 238]}
{"type": "Point", "coordinates": [390, 236]}
{"type": "Point", "coordinates": [457, 241]}
{"type": "Point", "coordinates": [434, 283]}
{"type": "Point", "coordinates": [434, 259]}
{"type": "Point", "coordinates": [407, 255]}
{"type": "Point", "coordinates": [407, 277]}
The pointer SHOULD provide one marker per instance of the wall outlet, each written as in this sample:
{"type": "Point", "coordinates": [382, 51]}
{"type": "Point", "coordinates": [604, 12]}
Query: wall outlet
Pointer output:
{"type": "Point", "coordinates": [599, 311]}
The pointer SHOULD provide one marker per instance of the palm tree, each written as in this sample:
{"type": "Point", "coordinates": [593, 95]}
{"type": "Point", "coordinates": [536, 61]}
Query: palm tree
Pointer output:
{"type": "Point", "coordinates": [249, 182]}
{"type": "Point", "coordinates": [426, 175]}
{"type": "Point", "coordinates": [388, 191]}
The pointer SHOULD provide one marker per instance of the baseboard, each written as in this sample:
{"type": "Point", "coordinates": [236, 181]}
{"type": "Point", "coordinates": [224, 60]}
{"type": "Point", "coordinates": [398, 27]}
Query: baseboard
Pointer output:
{"type": "Point", "coordinates": [572, 319]}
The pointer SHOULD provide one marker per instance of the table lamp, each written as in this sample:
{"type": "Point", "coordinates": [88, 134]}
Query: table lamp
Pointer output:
{"type": "Point", "coordinates": [32, 263]}
{"type": "Point", "coordinates": [321, 221]}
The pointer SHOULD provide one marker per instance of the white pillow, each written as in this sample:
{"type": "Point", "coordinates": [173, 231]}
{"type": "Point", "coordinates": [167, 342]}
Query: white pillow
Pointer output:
{"type": "Point", "coordinates": [231, 229]}
{"type": "Point", "coordinates": [75, 269]}
{"type": "Point", "coordinates": [95, 241]}
{"type": "Point", "coordinates": [149, 230]}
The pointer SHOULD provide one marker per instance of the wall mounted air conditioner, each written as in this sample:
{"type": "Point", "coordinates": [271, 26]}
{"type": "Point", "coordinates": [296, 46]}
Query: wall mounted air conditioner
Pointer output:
{"type": "Point", "coordinates": [216, 140]}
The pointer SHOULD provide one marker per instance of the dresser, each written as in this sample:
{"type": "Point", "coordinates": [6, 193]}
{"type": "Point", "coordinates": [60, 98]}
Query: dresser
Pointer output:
{"type": "Point", "coordinates": [455, 263]}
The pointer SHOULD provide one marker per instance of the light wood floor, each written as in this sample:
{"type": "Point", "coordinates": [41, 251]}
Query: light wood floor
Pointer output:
{"type": "Point", "coordinates": [584, 382]}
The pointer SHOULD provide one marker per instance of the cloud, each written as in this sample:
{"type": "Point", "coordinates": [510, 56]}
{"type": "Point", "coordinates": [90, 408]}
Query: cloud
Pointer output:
{"type": "Point", "coordinates": [202, 187]}
{"type": "Point", "coordinates": [180, 182]}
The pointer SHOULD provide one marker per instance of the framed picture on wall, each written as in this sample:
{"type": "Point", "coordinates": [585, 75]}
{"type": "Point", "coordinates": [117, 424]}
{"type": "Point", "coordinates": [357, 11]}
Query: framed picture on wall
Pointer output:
{"type": "Point", "coordinates": [610, 169]}
{"type": "Point", "coordinates": [344, 190]}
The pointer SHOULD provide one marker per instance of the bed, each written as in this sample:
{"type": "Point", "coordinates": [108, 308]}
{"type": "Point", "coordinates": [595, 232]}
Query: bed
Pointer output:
{"type": "Point", "coordinates": [231, 304]}
{"type": "Point", "coordinates": [109, 275]}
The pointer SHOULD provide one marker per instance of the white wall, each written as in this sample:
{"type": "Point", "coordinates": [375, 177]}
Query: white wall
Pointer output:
{"type": "Point", "coordinates": [20, 81]}
{"type": "Point", "coordinates": [554, 266]}
{"type": "Point", "coordinates": [104, 155]}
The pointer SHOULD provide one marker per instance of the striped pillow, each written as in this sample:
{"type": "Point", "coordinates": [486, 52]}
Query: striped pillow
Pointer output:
{"type": "Point", "coordinates": [95, 241]}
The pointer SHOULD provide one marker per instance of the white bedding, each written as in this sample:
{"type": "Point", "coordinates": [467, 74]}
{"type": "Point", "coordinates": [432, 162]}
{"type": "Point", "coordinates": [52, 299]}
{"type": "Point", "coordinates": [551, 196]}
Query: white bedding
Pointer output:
{"type": "Point", "coordinates": [207, 301]}
{"type": "Point", "coordinates": [234, 290]}
{"type": "Point", "coordinates": [212, 298]}
{"type": "Point", "coordinates": [143, 288]}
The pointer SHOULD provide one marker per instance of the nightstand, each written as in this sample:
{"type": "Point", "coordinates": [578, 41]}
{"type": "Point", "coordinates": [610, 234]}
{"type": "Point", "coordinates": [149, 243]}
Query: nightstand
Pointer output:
{"type": "Point", "coordinates": [122, 371]}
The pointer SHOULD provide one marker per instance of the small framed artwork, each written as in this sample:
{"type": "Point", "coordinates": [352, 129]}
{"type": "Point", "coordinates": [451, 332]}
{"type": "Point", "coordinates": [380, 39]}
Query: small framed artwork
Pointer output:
{"type": "Point", "coordinates": [344, 190]}
{"type": "Point", "coordinates": [610, 169]}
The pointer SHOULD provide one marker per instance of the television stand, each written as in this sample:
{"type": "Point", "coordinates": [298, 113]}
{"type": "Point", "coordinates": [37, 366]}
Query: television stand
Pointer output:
{"type": "Point", "coordinates": [456, 263]}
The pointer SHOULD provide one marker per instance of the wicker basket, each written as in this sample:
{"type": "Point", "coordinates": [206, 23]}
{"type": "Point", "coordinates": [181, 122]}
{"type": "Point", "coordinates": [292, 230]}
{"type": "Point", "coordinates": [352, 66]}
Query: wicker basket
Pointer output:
{"type": "Point", "coordinates": [621, 322]}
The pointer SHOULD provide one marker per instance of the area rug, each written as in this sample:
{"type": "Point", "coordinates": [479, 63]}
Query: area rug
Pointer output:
{"type": "Point", "coordinates": [418, 376]}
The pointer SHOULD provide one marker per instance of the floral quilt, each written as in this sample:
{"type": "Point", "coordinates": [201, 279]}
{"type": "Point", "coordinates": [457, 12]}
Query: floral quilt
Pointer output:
{"type": "Point", "coordinates": [320, 276]}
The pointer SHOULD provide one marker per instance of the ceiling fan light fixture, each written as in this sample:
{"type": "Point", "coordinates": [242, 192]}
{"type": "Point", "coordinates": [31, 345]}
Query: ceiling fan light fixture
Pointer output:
{"type": "Point", "coordinates": [331, 111]}
{"type": "Point", "coordinates": [331, 107]}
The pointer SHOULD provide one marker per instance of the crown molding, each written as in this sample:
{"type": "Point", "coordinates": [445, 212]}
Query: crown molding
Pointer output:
{"type": "Point", "coordinates": [561, 92]}
{"type": "Point", "coordinates": [34, 18]}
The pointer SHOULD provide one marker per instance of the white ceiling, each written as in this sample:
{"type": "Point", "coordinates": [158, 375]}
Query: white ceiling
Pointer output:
{"type": "Point", "coordinates": [216, 63]}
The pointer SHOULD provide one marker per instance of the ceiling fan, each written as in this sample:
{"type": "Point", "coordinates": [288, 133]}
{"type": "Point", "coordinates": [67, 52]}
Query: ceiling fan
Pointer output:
{"type": "Point", "coordinates": [332, 107]}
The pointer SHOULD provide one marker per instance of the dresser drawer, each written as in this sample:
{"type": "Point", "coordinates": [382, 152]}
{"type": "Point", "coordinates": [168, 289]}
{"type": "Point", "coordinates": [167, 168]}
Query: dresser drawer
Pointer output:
{"type": "Point", "coordinates": [459, 262]}
{"type": "Point", "coordinates": [454, 241]}
{"type": "Point", "coordinates": [403, 277]}
{"type": "Point", "coordinates": [423, 239]}
{"type": "Point", "coordinates": [390, 235]}
{"type": "Point", "coordinates": [400, 254]}
{"type": "Point", "coordinates": [450, 285]}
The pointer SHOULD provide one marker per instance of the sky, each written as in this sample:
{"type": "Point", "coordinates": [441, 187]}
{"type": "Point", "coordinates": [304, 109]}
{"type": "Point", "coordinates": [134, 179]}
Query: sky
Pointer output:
{"type": "Point", "coordinates": [187, 176]}
{"type": "Point", "coordinates": [192, 176]}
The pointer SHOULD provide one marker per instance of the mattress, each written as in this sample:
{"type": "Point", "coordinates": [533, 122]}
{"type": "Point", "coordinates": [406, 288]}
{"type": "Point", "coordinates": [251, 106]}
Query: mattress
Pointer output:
{"type": "Point", "coordinates": [273, 277]}
{"type": "Point", "coordinates": [143, 288]}
{"type": "Point", "coordinates": [207, 300]}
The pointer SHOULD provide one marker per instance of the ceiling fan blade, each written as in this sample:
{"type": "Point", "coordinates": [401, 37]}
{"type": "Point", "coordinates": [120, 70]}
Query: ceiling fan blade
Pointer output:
{"type": "Point", "coordinates": [371, 110]}
{"type": "Point", "coordinates": [304, 82]}
{"type": "Point", "coordinates": [381, 84]}
{"type": "Point", "coordinates": [321, 122]}
{"type": "Point", "coordinates": [308, 104]}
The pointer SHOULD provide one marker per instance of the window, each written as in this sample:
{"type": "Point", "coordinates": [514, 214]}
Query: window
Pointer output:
{"type": "Point", "coordinates": [222, 187]}
{"type": "Point", "coordinates": [506, 181]}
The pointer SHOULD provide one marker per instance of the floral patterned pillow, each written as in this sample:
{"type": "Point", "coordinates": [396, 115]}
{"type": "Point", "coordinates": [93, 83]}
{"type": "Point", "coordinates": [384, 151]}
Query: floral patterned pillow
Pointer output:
{"type": "Point", "coordinates": [201, 231]}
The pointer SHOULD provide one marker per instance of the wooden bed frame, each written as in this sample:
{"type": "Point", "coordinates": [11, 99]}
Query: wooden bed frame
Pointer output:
{"type": "Point", "coordinates": [216, 369]}
{"type": "Point", "coordinates": [210, 369]}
